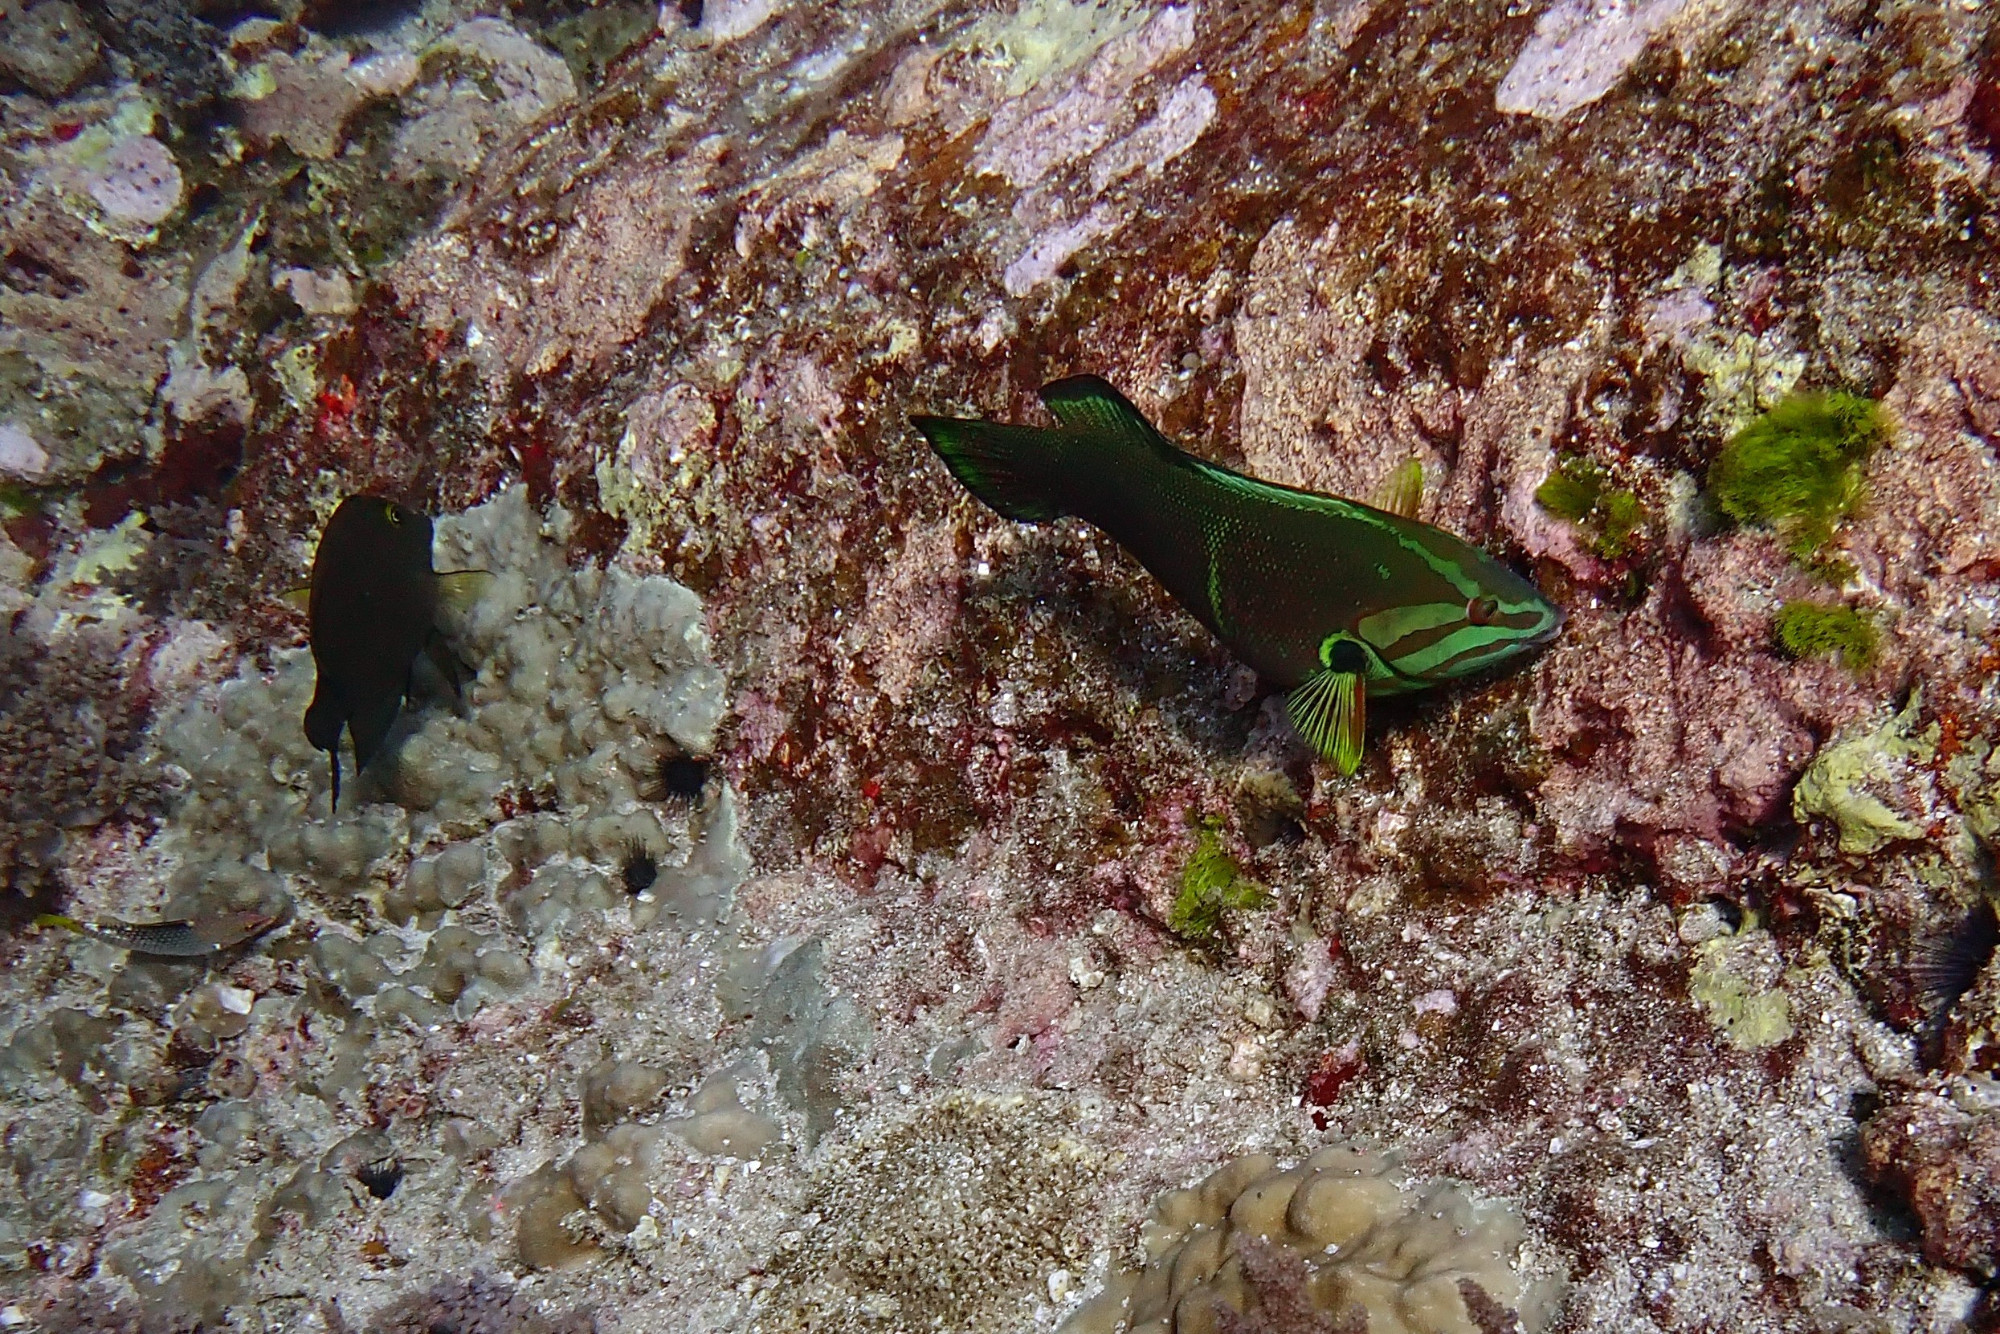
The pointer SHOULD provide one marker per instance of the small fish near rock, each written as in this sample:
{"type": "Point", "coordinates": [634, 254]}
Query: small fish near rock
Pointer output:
{"type": "Point", "coordinates": [1328, 598]}
{"type": "Point", "coordinates": [371, 608]}
{"type": "Point", "coordinates": [187, 938]}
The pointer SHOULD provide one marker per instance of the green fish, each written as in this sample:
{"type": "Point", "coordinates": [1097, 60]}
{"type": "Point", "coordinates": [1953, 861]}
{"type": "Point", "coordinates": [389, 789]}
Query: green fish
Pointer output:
{"type": "Point", "coordinates": [1330, 599]}
{"type": "Point", "coordinates": [371, 608]}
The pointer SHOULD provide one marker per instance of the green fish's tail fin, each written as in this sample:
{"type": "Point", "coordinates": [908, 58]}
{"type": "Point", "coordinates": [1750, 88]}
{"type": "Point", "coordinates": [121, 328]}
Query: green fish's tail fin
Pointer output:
{"type": "Point", "coordinates": [1024, 472]}
{"type": "Point", "coordinates": [1330, 710]}
{"type": "Point", "coordinates": [1016, 470]}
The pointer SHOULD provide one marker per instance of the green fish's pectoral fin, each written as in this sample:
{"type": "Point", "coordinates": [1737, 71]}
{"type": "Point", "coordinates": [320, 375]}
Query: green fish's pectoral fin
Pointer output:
{"type": "Point", "coordinates": [1015, 469]}
{"type": "Point", "coordinates": [1330, 710]}
{"type": "Point", "coordinates": [1402, 490]}
{"type": "Point", "coordinates": [459, 590]}
{"type": "Point", "coordinates": [1088, 404]}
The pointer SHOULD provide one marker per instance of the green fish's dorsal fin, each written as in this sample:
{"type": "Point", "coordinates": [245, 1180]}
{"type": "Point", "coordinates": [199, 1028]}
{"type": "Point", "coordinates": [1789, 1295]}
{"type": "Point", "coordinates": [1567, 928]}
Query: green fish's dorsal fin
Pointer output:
{"type": "Point", "coordinates": [1402, 490]}
{"type": "Point", "coordinates": [1088, 403]}
{"type": "Point", "coordinates": [1330, 710]}
{"type": "Point", "coordinates": [458, 590]}
{"type": "Point", "coordinates": [300, 597]}
{"type": "Point", "coordinates": [1015, 469]}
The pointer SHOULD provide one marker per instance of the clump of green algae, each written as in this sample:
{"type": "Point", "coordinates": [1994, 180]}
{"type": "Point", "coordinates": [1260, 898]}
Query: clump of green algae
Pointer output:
{"type": "Point", "coordinates": [1211, 883]}
{"type": "Point", "coordinates": [1797, 468]}
{"type": "Point", "coordinates": [1818, 629]}
{"type": "Point", "coordinates": [1579, 492]}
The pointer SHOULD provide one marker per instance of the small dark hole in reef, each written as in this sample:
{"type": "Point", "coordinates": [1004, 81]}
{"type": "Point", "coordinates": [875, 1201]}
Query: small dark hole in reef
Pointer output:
{"type": "Point", "coordinates": [1730, 913]}
{"type": "Point", "coordinates": [202, 199]}
{"type": "Point", "coordinates": [1264, 827]}
{"type": "Point", "coordinates": [380, 1178]}
{"type": "Point", "coordinates": [348, 18]}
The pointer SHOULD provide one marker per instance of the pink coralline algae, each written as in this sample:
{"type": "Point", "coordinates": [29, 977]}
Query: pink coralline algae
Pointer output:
{"type": "Point", "coordinates": [136, 181]}
{"type": "Point", "coordinates": [21, 455]}
{"type": "Point", "coordinates": [1661, 739]}
{"type": "Point", "coordinates": [1579, 52]}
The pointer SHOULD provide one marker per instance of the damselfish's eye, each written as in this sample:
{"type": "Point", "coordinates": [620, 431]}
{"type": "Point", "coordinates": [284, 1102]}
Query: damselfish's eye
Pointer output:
{"type": "Point", "coordinates": [394, 515]}
{"type": "Point", "coordinates": [1481, 611]}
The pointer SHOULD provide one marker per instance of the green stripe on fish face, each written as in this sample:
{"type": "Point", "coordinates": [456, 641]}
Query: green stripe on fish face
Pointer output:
{"type": "Point", "coordinates": [1474, 612]}
{"type": "Point", "coordinates": [1435, 641]}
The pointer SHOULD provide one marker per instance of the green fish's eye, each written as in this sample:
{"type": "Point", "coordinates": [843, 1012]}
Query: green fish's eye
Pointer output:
{"type": "Point", "coordinates": [393, 514]}
{"type": "Point", "coordinates": [1481, 611]}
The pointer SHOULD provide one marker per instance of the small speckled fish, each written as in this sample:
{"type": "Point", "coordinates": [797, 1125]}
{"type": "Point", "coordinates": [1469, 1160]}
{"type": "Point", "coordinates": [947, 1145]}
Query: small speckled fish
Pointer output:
{"type": "Point", "coordinates": [1328, 598]}
{"type": "Point", "coordinates": [191, 938]}
{"type": "Point", "coordinates": [371, 608]}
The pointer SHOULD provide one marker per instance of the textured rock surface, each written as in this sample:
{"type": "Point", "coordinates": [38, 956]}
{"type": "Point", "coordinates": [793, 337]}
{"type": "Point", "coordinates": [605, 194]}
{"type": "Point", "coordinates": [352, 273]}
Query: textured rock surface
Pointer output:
{"type": "Point", "coordinates": [1946, 1162]}
{"type": "Point", "coordinates": [1582, 938]}
{"type": "Point", "coordinates": [1327, 1242]}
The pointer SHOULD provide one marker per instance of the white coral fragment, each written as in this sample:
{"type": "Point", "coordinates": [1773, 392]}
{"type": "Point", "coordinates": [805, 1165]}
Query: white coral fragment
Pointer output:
{"type": "Point", "coordinates": [1579, 51]}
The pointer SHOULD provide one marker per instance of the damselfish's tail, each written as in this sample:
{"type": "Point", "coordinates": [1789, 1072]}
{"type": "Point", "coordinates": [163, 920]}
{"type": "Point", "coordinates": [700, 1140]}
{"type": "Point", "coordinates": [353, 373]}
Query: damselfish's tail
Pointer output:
{"type": "Point", "coordinates": [1015, 469]}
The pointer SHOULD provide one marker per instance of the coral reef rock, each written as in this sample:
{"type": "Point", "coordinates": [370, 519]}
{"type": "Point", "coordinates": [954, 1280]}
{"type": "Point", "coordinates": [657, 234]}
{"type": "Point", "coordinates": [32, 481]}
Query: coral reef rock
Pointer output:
{"type": "Point", "coordinates": [1365, 1252]}
{"type": "Point", "coordinates": [830, 906]}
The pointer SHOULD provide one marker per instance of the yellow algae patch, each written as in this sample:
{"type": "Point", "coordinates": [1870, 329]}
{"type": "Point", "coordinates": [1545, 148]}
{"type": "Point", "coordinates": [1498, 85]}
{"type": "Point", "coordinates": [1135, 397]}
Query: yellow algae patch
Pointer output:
{"type": "Point", "coordinates": [1749, 1018]}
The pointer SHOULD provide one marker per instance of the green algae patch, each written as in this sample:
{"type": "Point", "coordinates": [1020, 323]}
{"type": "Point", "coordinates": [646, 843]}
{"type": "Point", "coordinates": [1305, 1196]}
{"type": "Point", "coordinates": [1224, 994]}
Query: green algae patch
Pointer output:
{"type": "Point", "coordinates": [1797, 469]}
{"type": "Point", "coordinates": [1579, 492]}
{"type": "Point", "coordinates": [1211, 884]}
{"type": "Point", "coordinates": [1751, 1019]}
{"type": "Point", "coordinates": [1842, 782]}
{"type": "Point", "coordinates": [1823, 630]}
